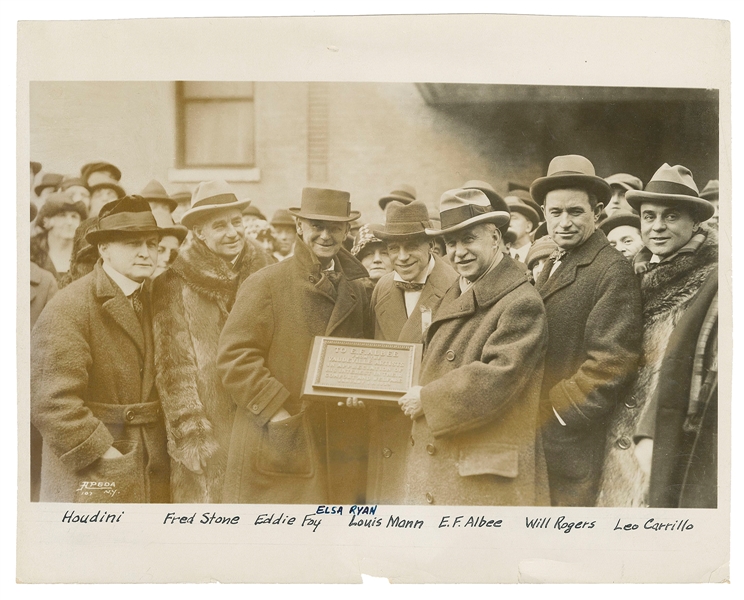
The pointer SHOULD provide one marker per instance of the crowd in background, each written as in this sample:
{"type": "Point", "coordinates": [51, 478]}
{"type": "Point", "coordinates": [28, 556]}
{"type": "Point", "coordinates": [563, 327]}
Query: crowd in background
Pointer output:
{"type": "Point", "coordinates": [600, 292]}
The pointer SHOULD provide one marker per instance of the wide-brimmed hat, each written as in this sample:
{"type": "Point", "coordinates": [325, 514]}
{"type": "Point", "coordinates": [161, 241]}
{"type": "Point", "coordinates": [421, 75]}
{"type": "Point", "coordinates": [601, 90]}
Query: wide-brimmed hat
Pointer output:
{"type": "Point", "coordinates": [322, 204]}
{"type": "Point", "coordinates": [521, 202]}
{"type": "Point", "coordinates": [365, 237]}
{"type": "Point", "coordinates": [542, 248]}
{"type": "Point", "coordinates": [620, 218]}
{"type": "Point", "coordinates": [254, 211]}
{"type": "Point", "coordinates": [674, 186]}
{"type": "Point", "coordinates": [462, 208]}
{"type": "Point", "coordinates": [93, 171]}
{"type": "Point", "coordinates": [570, 171]}
{"type": "Point", "coordinates": [48, 180]}
{"type": "Point", "coordinates": [155, 192]}
{"type": "Point", "coordinates": [403, 193]}
{"type": "Point", "coordinates": [496, 200]}
{"type": "Point", "coordinates": [127, 217]}
{"type": "Point", "coordinates": [404, 222]}
{"type": "Point", "coordinates": [283, 218]}
{"type": "Point", "coordinates": [168, 226]}
{"type": "Point", "coordinates": [68, 182]}
{"type": "Point", "coordinates": [625, 181]}
{"type": "Point", "coordinates": [104, 180]}
{"type": "Point", "coordinates": [210, 197]}
{"type": "Point", "coordinates": [58, 202]}
{"type": "Point", "coordinates": [35, 167]}
{"type": "Point", "coordinates": [710, 191]}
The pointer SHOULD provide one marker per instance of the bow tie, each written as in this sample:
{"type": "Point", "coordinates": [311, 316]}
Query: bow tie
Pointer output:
{"type": "Point", "coordinates": [557, 255]}
{"type": "Point", "coordinates": [409, 286]}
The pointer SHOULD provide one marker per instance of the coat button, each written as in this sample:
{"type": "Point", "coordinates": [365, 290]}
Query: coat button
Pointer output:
{"type": "Point", "coordinates": [312, 279]}
{"type": "Point", "coordinates": [429, 498]}
{"type": "Point", "coordinates": [431, 449]}
{"type": "Point", "coordinates": [631, 402]}
{"type": "Point", "coordinates": [623, 443]}
{"type": "Point", "coordinates": [387, 452]}
{"type": "Point", "coordinates": [450, 356]}
{"type": "Point", "coordinates": [254, 408]}
{"type": "Point", "coordinates": [413, 442]}
{"type": "Point", "coordinates": [129, 415]}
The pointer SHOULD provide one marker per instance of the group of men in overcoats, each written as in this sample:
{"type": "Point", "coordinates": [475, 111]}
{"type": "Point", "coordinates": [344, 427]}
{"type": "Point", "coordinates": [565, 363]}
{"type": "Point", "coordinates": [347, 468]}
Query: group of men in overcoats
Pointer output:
{"type": "Point", "coordinates": [192, 391]}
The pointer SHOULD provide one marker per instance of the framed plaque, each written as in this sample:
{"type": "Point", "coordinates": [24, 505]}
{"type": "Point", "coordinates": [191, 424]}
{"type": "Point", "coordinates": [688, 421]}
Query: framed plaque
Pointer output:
{"type": "Point", "coordinates": [368, 369]}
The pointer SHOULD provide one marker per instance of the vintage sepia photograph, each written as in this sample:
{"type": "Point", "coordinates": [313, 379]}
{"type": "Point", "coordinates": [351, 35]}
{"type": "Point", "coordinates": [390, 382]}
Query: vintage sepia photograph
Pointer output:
{"type": "Point", "coordinates": [341, 305]}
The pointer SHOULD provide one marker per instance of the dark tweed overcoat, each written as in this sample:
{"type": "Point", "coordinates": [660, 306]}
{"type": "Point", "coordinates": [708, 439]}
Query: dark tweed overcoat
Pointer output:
{"type": "Point", "coordinates": [477, 442]}
{"type": "Point", "coordinates": [318, 455]}
{"type": "Point", "coordinates": [593, 303]}
{"type": "Point", "coordinates": [93, 385]}
{"type": "Point", "coordinates": [390, 428]}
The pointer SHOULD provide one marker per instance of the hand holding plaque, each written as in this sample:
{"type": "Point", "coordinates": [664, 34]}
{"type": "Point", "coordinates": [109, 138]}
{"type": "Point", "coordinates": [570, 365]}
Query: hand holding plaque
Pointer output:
{"type": "Point", "coordinates": [358, 368]}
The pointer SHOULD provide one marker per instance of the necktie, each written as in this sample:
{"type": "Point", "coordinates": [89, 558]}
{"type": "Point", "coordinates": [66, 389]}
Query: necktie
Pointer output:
{"type": "Point", "coordinates": [409, 286]}
{"type": "Point", "coordinates": [137, 304]}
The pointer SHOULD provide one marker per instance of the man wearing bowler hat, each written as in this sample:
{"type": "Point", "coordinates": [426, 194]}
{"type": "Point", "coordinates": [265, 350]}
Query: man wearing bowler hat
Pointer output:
{"type": "Point", "coordinates": [285, 448]}
{"type": "Point", "coordinates": [403, 303]}
{"type": "Point", "coordinates": [593, 304]}
{"type": "Point", "coordinates": [93, 395]}
{"type": "Point", "coordinates": [474, 437]}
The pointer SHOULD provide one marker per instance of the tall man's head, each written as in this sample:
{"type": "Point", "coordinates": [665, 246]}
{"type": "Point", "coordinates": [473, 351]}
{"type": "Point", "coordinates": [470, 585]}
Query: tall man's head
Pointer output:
{"type": "Point", "coordinates": [471, 230]}
{"type": "Point", "coordinates": [671, 209]}
{"type": "Point", "coordinates": [572, 197]}
{"type": "Point", "coordinates": [323, 220]}
{"type": "Point", "coordinates": [408, 245]}
{"type": "Point", "coordinates": [216, 218]}
{"type": "Point", "coordinates": [127, 237]}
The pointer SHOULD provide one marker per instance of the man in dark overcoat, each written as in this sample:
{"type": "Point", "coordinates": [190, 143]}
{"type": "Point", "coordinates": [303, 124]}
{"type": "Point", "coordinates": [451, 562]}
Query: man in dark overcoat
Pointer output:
{"type": "Point", "coordinates": [475, 416]}
{"type": "Point", "coordinates": [403, 303]}
{"type": "Point", "coordinates": [285, 448]}
{"type": "Point", "coordinates": [93, 395]}
{"type": "Point", "coordinates": [593, 304]}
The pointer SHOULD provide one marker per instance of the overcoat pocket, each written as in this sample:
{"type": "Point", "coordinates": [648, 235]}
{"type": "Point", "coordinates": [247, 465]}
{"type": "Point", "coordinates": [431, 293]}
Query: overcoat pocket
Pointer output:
{"type": "Point", "coordinates": [285, 448]}
{"type": "Point", "coordinates": [117, 479]}
{"type": "Point", "coordinates": [489, 459]}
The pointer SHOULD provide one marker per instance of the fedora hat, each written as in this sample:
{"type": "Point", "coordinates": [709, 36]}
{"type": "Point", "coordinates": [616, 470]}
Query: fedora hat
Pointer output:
{"type": "Point", "coordinates": [570, 171]}
{"type": "Point", "coordinates": [93, 171]}
{"type": "Point", "coordinates": [58, 202]}
{"type": "Point", "coordinates": [322, 204]}
{"type": "Point", "coordinates": [675, 186]}
{"type": "Point", "coordinates": [710, 191]}
{"type": "Point", "coordinates": [283, 218]}
{"type": "Point", "coordinates": [497, 202]}
{"type": "Point", "coordinates": [48, 180]}
{"type": "Point", "coordinates": [462, 208]}
{"type": "Point", "coordinates": [620, 218]}
{"type": "Point", "coordinates": [168, 227]}
{"type": "Point", "coordinates": [254, 211]}
{"type": "Point", "coordinates": [403, 193]}
{"type": "Point", "coordinates": [625, 181]}
{"type": "Point", "coordinates": [155, 192]}
{"type": "Point", "coordinates": [104, 180]}
{"type": "Point", "coordinates": [404, 222]}
{"type": "Point", "coordinates": [517, 201]}
{"type": "Point", "coordinates": [126, 217]}
{"type": "Point", "coordinates": [210, 197]}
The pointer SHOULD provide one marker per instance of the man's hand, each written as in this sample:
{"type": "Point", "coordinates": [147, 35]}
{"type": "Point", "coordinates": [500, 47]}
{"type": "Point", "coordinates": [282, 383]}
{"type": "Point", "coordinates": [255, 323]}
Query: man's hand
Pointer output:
{"type": "Point", "coordinates": [280, 415]}
{"type": "Point", "coordinates": [411, 403]}
{"type": "Point", "coordinates": [352, 402]}
{"type": "Point", "coordinates": [644, 451]}
{"type": "Point", "coordinates": [112, 453]}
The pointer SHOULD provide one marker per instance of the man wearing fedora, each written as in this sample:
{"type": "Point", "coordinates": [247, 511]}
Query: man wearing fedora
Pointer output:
{"type": "Point", "coordinates": [679, 259]}
{"type": "Point", "coordinates": [191, 302]}
{"type": "Point", "coordinates": [403, 303]}
{"type": "Point", "coordinates": [474, 438]}
{"type": "Point", "coordinates": [285, 234]}
{"type": "Point", "coordinates": [93, 395]}
{"type": "Point", "coordinates": [621, 184]}
{"type": "Point", "coordinates": [285, 448]}
{"type": "Point", "coordinates": [524, 220]}
{"type": "Point", "coordinates": [593, 304]}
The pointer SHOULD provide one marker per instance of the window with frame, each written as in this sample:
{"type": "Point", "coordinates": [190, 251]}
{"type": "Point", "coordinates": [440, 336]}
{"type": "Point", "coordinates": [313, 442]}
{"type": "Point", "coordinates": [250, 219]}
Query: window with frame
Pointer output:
{"type": "Point", "coordinates": [216, 124]}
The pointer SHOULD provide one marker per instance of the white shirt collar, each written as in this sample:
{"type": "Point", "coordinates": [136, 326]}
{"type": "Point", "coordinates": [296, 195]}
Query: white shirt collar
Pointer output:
{"type": "Point", "coordinates": [126, 285]}
{"type": "Point", "coordinates": [331, 267]}
{"type": "Point", "coordinates": [423, 276]}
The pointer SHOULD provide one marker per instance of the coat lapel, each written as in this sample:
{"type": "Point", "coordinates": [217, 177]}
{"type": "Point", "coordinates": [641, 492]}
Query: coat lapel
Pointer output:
{"type": "Point", "coordinates": [566, 272]}
{"type": "Point", "coordinates": [391, 312]}
{"type": "Point", "coordinates": [346, 302]}
{"type": "Point", "coordinates": [115, 303]}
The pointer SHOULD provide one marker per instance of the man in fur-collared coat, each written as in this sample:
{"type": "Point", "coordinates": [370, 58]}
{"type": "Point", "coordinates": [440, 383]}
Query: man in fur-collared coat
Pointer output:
{"type": "Point", "coordinates": [93, 395]}
{"type": "Point", "coordinates": [679, 256]}
{"type": "Point", "coordinates": [285, 448]}
{"type": "Point", "coordinates": [191, 302]}
{"type": "Point", "coordinates": [403, 303]}
{"type": "Point", "coordinates": [475, 438]}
